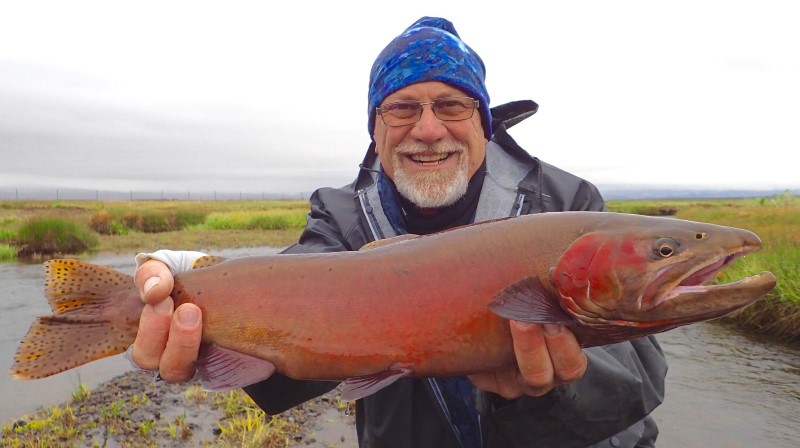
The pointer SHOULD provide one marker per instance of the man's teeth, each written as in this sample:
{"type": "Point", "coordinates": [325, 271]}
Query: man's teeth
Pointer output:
{"type": "Point", "coordinates": [429, 159]}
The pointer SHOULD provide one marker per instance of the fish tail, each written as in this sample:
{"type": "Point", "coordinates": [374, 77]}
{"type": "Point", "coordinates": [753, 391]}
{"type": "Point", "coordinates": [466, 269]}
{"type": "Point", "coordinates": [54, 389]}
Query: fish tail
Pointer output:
{"type": "Point", "coordinates": [95, 315]}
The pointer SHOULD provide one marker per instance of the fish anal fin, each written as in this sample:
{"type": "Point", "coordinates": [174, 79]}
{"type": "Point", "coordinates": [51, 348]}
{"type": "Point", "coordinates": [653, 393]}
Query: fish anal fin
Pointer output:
{"type": "Point", "coordinates": [527, 300]}
{"type": "Point", "coordinates": [206, 261]}
{"type": "Point", "coordinates": [58, 343]}
{"type": "Point", "coordinates": [222, 369]}
{"type": "Point", "coordinates": [388, 241]}
{"type": "Point", "coordinates": [361, 386]}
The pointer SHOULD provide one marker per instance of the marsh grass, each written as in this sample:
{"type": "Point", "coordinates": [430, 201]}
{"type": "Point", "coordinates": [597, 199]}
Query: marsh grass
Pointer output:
{"type": "Point", "coordinates": [278, 219]}
{"type": "Point", "coordinates": [51, 236]}
{"type": "Point", "coordinates": [8, 252]}
{"type": "Point", "coordinates": [147, 225]}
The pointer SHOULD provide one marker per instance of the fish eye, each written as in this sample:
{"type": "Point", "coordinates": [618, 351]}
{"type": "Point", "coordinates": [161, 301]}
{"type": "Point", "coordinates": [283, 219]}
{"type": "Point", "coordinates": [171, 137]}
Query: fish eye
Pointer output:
{"type": "Point", "coordinates": [701, 236]}
{"type": "Point", "coordinates": [666, 247]}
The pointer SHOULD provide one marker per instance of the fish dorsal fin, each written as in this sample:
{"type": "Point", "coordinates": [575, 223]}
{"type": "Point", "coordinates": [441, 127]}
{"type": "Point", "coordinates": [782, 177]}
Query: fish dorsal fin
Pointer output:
{"type": "Point", "coordinates": [389, 241]}
{"type": "Point", "coordinates": [206, 261]}
{"type": "Point", "coordinates": [361, 386]}
{"type": "Point", "coordinates": [222, 369]}
{"type": "Point", "coordinates": [528, 301]}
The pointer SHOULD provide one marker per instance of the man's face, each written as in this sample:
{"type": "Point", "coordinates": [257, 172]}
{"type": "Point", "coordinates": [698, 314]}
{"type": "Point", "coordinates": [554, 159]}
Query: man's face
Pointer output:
{"type": "Point", "coordinates": [430, 161]}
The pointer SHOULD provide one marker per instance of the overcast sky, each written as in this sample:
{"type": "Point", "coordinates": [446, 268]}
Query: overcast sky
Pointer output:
{"type": "Point", "coordinates": [271, 96]}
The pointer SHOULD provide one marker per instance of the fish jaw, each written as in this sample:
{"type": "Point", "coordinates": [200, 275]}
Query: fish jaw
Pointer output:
{"type": "Point", "coordinates": [692, 303]}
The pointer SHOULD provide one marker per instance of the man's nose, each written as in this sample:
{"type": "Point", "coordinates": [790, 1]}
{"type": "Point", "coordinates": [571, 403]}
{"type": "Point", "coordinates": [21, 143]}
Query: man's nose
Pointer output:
{"type": "Point", "coordinates": [429, 128]}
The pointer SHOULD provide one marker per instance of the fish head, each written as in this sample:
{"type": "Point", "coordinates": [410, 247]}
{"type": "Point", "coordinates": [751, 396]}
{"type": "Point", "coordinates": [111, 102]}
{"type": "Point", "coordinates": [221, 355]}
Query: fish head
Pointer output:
{"type": "Point", "coordinates": [656, 272]}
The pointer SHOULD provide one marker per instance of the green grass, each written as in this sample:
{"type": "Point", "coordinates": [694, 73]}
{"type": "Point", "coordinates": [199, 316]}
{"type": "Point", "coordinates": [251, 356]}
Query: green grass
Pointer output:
{"type": "Point", "coordinates": [50, 236]}
{"type": "Point", "coordinates": [7, 252]}
{"type": "Point", "coordinates": [281, 219]}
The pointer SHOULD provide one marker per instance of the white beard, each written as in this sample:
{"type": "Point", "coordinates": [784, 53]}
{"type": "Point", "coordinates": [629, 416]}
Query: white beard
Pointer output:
{"type": "Point", "coordinates": [434, 189]}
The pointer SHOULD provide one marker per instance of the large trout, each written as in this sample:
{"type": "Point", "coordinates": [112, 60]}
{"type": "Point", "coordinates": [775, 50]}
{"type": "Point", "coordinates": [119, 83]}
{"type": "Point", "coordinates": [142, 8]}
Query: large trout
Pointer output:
{"type": "Point", "coordinates": [432, 305]}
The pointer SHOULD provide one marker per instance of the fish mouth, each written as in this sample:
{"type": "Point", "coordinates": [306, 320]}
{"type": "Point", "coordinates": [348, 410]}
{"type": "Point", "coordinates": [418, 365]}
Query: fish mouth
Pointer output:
{"type": "Point", "coordinates": [689, 298]}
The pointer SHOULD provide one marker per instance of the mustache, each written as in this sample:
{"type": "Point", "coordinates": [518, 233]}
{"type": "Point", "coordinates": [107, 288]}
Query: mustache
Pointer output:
{"type": "Point", "coordinates": [439, 147]}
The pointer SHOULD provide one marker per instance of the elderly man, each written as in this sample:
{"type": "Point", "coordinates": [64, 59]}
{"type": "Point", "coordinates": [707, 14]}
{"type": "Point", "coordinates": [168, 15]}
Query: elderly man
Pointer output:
{"type": "Point", "coordinates": [434, 163]}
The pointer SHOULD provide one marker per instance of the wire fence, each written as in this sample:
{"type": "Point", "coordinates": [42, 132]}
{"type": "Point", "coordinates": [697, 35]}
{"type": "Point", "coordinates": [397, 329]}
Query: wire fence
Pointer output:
{"type": "Point", "coordinates": [65, 194]}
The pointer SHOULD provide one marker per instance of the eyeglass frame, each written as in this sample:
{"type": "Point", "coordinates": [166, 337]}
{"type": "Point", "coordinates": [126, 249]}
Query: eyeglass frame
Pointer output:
{"type": "Point", "coordinates": [476, 105]}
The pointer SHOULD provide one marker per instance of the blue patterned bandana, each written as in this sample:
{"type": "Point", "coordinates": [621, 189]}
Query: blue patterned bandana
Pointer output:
{"type": "Point", "coordinates": [429, 50]}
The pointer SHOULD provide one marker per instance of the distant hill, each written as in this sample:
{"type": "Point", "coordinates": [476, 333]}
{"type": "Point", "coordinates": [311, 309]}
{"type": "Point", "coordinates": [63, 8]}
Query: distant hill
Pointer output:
{"type": "Point", "coordinates": [646, 193]}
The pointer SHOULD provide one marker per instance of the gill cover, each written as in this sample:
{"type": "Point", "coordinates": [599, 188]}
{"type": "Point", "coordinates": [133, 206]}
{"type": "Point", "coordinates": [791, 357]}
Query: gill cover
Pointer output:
{"type": "Point", "coordinates": [600, 272]}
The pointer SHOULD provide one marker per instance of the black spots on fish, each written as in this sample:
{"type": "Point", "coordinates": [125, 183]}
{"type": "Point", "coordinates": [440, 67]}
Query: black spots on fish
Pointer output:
{"type": "Point", "coordinates": [206, 261]}
{"type": "Point", "coordinates": [58, 343]}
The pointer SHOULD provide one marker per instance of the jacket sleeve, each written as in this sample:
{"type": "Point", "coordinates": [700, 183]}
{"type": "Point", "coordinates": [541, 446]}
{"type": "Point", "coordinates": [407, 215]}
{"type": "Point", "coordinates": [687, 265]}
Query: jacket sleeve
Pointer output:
{"type": "Point", "coordinates": [623, 383]}
{"type": "Point", "coordinates": [321, 234]}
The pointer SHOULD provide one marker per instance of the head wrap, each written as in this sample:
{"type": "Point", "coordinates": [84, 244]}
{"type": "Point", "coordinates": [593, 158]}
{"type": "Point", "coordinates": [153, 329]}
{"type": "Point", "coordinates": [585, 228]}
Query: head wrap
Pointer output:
{"type": "Point", "coordinates": [429, 50]}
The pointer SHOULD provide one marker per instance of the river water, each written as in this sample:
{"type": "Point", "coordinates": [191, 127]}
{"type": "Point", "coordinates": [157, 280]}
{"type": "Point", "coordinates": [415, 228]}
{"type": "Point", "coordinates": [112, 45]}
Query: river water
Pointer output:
{"type": "Point", "coordinates": [724, 389]}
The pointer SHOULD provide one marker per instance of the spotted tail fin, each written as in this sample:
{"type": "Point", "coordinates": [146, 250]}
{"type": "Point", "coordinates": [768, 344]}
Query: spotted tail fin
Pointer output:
{"type": "Point", "coordinates": [95, 315]}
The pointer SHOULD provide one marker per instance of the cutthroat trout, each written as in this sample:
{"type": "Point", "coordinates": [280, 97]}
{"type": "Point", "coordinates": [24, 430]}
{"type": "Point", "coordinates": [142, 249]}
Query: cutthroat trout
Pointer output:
{"type": "Point", "coordinates": [430, 306]}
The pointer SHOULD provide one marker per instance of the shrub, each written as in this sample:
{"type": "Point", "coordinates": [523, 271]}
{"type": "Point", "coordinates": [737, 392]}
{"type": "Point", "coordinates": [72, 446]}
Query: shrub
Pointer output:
{"type": "Point", "coordinates": [49, 236]}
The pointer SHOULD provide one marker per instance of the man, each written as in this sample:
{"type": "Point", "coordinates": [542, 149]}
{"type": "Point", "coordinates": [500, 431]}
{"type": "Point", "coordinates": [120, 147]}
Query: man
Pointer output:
{"type": "Point", "coordinates": [434, 164]}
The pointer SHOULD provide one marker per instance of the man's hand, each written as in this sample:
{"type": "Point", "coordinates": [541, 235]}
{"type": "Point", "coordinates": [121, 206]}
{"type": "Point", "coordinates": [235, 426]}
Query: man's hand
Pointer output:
{"type": "Point", "coordinates": [167, 341]}
{"type": "Point", "coordinates": [548, 355]}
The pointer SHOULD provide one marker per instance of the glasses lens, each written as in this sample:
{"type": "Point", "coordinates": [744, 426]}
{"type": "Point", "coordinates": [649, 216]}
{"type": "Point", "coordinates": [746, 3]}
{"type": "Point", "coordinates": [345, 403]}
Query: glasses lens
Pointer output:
{"type": "Point", "coordinates": [401, 112]}
{"type": "Point", "coordinates": [453, 109]}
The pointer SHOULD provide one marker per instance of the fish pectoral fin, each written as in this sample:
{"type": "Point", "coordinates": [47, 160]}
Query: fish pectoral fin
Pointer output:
{"type": "Point", "coordinates": [528, 301]}
{"type": "Point", "coordinates": [361, 386]}
{"type": "Point", "coordinates": [222, 369]}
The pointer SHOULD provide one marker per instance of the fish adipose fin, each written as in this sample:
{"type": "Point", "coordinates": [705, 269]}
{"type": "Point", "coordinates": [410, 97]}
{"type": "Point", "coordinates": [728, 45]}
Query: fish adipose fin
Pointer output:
{"type": "Point", "coordinates": [361, 386]}
{"type": "Point", "coordinates": [221, 369]}
{"type": "Point", "coordinates": [528, 301]}
{"type": "Point", "coordinates": [95, 315]}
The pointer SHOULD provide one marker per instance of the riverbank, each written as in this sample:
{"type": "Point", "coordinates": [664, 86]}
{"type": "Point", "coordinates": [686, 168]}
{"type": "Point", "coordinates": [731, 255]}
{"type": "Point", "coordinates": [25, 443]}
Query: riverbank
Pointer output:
{"type": "Point", "coordinates": [132, 410]}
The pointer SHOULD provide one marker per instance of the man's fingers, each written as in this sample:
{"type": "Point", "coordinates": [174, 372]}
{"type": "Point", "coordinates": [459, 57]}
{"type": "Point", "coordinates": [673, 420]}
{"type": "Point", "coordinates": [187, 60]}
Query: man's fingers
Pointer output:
{"type": "Point", "coordinates": [536, 373]}
{"type": "Point", "coordinates": [503, 382]}
{"type": "Point", "coordinates": [178, 360]}
{"type": "Point", "coordinates": [154, 281]}
{"type": "Point", "coordinates": [152, 336]}
{"type": "Point", "coordinates": [568, 360]}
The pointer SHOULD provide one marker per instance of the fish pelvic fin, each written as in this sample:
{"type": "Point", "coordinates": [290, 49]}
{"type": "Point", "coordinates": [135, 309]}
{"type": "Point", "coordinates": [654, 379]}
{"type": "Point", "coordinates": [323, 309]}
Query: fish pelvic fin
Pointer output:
{"type": "Point", "coordinates": [95, 315]}
{"type": "Point", "coordinates": [361, 386]}
{"type": "Point", "coordinates": [222, 369]}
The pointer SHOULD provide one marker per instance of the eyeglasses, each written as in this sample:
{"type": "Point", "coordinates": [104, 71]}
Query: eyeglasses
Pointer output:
{"type": "Point", "coordinates": [403, 113]}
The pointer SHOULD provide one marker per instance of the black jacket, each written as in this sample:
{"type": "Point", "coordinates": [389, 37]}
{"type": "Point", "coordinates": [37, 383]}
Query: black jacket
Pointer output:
{"type": "Point", "coordinates": [609, 406]}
